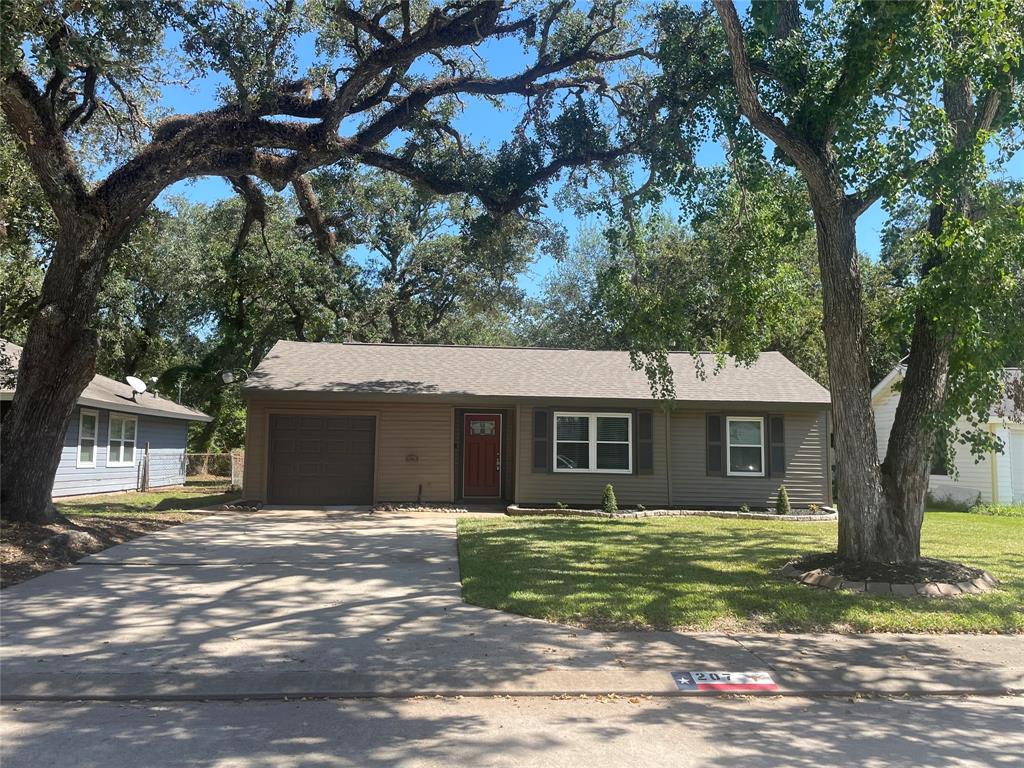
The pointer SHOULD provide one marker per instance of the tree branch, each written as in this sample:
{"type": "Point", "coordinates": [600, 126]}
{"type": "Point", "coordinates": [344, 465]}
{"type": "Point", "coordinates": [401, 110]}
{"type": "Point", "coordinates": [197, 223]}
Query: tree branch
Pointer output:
{"type": "Point", "coordinates": [33, 122]}
{"type": "Point", "coordinates": [795, 145]}
{"type": "Point", "coordinates": [255, 212]}
{"type": "Point", "coordinates": [325, 239]}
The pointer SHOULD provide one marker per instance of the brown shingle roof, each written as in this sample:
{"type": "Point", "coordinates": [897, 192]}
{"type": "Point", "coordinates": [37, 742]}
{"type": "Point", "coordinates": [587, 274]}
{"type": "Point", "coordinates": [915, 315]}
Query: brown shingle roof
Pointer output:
{"type": "Point", "coordinates": [104, 392]}
{"type": "Point", "coordinates": [413, 371]}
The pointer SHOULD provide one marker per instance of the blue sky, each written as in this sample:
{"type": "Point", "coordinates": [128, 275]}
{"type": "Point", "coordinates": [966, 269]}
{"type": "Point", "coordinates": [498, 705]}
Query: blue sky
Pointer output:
{"type": "Point", "coordinates": [481, 122]}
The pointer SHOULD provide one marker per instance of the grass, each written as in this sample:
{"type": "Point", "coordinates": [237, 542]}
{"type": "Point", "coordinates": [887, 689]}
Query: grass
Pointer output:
{"type": "Point", "coordinates": [153, 504]}
{"type": "Point", "coordinates": [27, 550]}
{"type": "Point", "coordinates": [698, 573]}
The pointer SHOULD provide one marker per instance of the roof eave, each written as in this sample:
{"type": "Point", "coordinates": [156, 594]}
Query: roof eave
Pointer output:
{"type": "Point", "coordinates": [459, 397]}
{"type": "Point", "coordinates": [142, 410]}
{"type": "Point", "coordinates": [137, 409]}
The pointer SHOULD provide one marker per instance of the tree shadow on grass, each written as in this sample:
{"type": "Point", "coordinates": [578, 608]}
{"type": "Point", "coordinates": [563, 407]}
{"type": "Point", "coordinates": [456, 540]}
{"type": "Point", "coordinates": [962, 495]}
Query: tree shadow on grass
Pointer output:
{"type": "Point", "coordinates": [127, 505]}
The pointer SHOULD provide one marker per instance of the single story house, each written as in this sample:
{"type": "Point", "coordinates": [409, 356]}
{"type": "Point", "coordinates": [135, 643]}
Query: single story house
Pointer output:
{"type": "Point", "coordinates": [997, 478]}
{"type": "Point", "coordinates": [336, 424]}
{"type": "Point", "coordinates": [110, 434]}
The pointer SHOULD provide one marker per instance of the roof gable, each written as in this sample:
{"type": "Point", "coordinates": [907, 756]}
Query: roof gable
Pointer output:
{"type": "Point", "coordinates": [1010, 406]}
{"type": "Point", "coordinates": [436, 371]}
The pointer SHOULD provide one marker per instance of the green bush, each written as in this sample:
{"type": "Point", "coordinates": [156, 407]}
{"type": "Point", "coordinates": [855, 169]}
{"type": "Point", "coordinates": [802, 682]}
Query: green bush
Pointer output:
{"type": "Point", "coordinates": [745, 509]}
{"type": "Point", "coordinates": [782, 506]}
{"type": "Point", "coordinates": [561, 505]}
{"type": "Point", "coordinates": [999, 510]}
{"type": "Point", "coordinates": [640, 508]}
{"type": "Point", "coordinates": [608, 502]}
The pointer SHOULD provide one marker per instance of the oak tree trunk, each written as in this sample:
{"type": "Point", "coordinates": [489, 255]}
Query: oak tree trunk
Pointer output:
{"type": "Point", "coordinates": [57, 363]}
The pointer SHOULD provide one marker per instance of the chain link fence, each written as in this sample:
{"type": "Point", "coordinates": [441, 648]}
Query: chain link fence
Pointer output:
{"type": "Point", "coordinates": [215, 469]}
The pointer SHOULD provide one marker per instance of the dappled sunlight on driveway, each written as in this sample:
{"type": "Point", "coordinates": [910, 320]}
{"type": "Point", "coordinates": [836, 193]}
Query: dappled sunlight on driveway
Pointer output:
{"type": "Point", "coordinates": [287, 601]}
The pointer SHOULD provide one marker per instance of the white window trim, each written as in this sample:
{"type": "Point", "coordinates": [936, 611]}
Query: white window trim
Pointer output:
{"type": "Point", "coordinates": [728, 446]}
{"type": "Point", "coordinates": [592, 441]}
{"type": "Point", "coordinates": [82, 413]}
{"type": "Point", "coordinates": [135, 437]}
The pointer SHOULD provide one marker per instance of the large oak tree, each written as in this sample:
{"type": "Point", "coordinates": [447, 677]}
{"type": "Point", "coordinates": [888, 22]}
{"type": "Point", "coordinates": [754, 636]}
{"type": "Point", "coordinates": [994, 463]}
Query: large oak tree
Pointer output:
{"type": "Point", "coordinates": [80, 86]}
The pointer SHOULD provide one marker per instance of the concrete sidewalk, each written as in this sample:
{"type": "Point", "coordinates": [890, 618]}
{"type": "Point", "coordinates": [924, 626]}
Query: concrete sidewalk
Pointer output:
{"type": "Point", "coordinates": [292, 603]}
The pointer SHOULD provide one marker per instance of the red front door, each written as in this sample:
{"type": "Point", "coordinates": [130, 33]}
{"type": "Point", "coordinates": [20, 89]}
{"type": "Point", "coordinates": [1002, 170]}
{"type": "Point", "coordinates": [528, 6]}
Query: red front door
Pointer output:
{"type": "Point", "coordinates": [481, 455]}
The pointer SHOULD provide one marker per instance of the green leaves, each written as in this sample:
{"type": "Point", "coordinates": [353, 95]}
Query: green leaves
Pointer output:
{"type": "Point", "coordinates": [743, 280]}
{"type": "Point", "coordinates": [968, 279]}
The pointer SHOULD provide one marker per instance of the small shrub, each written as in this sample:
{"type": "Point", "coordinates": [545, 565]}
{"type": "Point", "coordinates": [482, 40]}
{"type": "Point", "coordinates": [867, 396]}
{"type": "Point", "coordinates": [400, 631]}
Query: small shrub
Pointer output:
{"type": "Point", "coordinates": [999, 510]}
{"type": "Point", "coordinates": [608, 502]}
{"type": "Point", "coordinates": [561, 505]}
{"type": "Point", "coordinates": [745, 509]}
{"type": "Point", "coordinates": [782, 506]}
{"type": "Point", "coordinates": [640, 508]}
{"type": "Point", "coordinates": [813, 509]}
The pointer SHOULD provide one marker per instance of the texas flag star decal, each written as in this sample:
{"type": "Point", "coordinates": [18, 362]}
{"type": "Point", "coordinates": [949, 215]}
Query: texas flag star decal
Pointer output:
{"type": "Point", "coordinates": [724, 681]}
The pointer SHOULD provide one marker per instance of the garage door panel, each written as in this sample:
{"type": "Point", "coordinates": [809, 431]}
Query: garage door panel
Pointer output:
{"type": "Point", "coordinates": [320, 460]}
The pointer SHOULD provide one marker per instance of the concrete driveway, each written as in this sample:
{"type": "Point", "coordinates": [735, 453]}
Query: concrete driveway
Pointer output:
{"type": "Point", "coordinates": [349, 603]}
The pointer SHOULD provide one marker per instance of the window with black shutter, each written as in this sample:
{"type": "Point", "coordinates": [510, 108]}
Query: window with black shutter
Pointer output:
{"type": "Point", "coordinates": [715, 444]}
{"type": "Point", "coordinates": [541, 439]}
{"type": "Point", "coordinates": [777, 443]}
{"type": "Point", "coordinates": [645, 442]}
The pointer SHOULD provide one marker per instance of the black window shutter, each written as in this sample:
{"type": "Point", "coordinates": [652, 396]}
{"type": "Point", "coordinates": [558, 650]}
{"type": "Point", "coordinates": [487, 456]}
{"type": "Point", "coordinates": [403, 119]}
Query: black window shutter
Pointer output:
{"type": "Point", "coordinates": [777, 445]}
{"type": "Point", "coordinates": [715, 444]}
{"type": "Point", "coordinates": [644, 442]}
{"type": "Point", "coordinates": [541, 439]}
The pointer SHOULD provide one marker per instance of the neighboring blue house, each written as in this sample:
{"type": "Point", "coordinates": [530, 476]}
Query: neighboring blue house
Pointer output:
{"type": "Point", "coordinates": [106, 442]}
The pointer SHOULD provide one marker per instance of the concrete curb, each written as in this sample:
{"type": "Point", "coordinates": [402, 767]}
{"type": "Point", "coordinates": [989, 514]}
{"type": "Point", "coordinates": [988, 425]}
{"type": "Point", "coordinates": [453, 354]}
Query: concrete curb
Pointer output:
{"type": "Point", "coordinates": [360, 685]}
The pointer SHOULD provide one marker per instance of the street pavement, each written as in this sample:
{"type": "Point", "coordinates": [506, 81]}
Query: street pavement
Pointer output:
{"type": "Point", "coordinates": [526, 732]}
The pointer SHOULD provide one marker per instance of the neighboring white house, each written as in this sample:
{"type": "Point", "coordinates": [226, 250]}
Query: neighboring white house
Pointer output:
{"type": "Point", "coordinates": [998, 478]}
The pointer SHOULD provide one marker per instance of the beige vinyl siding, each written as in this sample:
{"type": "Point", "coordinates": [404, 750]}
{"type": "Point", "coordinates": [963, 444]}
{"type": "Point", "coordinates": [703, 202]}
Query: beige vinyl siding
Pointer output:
{"type": "Point", "coordinates": [806, 464]}
{"type": "Point", "coordinates": [586, 488]}
{"type": "Point", "coordinates": [414, 446]}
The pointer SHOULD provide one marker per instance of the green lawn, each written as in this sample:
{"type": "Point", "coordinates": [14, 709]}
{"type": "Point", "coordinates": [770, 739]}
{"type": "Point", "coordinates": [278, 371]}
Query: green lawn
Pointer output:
{"type": "Point", "coordinates": [700, 573]}
{"type": "Point", "coordinates": [156, 504]}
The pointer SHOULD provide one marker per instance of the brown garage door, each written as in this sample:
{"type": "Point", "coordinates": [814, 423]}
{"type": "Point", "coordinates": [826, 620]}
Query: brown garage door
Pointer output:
{"type": "Point", "coordinates": [320, 460]}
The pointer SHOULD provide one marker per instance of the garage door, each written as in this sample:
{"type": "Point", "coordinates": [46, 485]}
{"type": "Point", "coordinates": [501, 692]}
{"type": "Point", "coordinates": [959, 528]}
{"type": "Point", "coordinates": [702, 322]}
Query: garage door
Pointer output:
{"type": "Point", "coordinates": [319, 460]}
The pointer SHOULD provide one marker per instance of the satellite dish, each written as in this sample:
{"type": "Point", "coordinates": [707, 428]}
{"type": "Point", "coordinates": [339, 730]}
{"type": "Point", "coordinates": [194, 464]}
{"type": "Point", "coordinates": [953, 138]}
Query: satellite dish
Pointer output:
{"type": "Point", "coordinates": [138, 385]}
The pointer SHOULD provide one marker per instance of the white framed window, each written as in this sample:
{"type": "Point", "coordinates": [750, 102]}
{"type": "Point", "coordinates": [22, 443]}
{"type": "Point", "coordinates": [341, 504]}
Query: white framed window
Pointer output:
{"type": "Point", "coordinates": [745, 445]}
{"type": "Point", "coordinates": [88, 424]}
{"type": "Point", "coordinates": [121, 443]}
{"type": "Point", "coordinates": [593, 442]}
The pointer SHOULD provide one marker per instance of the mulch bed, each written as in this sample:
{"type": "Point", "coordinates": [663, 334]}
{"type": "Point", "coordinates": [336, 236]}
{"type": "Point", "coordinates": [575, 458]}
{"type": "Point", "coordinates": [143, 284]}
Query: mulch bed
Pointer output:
{"type": "Point", "coordinates": [927, 569]}
{"type": "Point", "coordinates": [28, 550]}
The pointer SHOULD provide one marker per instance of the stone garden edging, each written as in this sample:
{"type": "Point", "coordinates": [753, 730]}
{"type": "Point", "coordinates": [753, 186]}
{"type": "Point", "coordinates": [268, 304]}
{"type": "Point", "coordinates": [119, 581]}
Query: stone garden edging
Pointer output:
{"type": "Point", "coordinates": [517, 511]}
{"type": "Point", "coordinates": [823, 580]}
